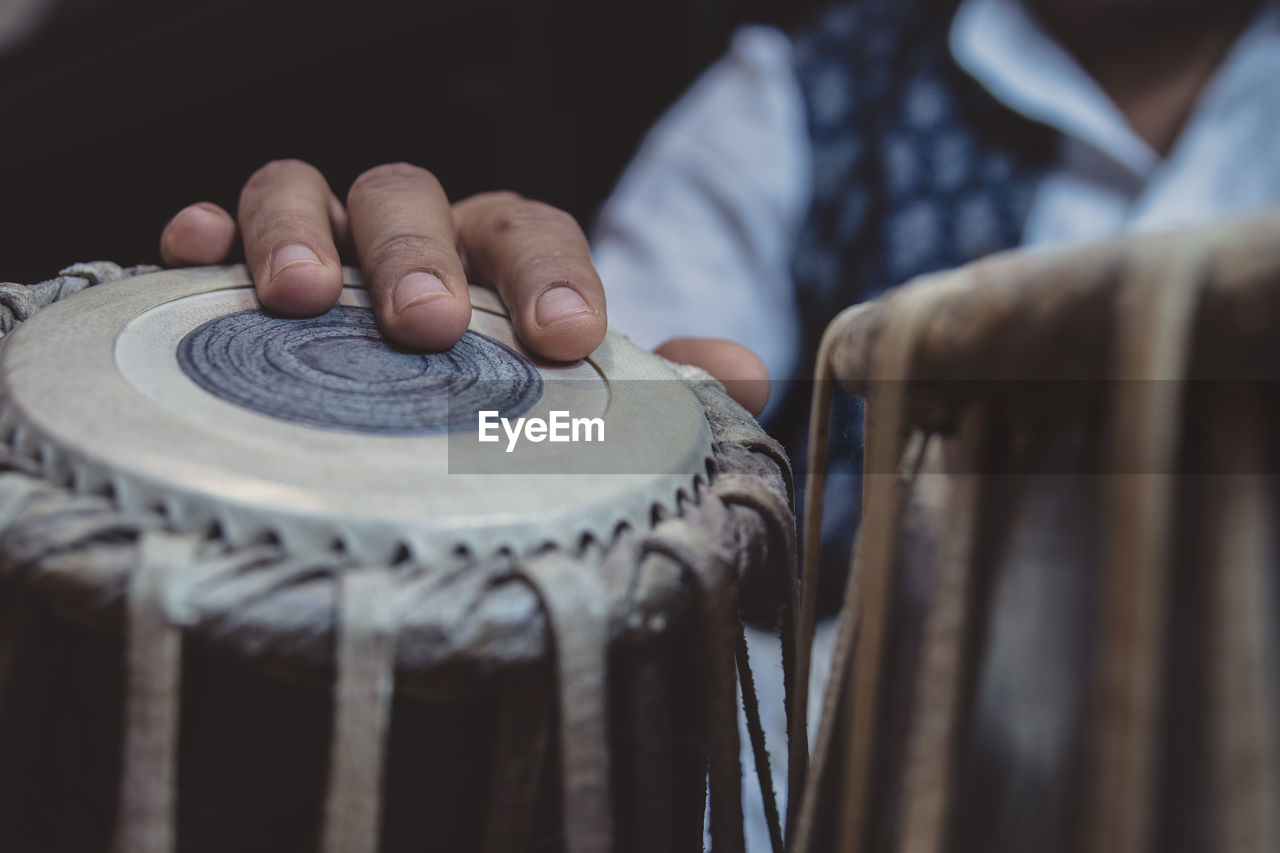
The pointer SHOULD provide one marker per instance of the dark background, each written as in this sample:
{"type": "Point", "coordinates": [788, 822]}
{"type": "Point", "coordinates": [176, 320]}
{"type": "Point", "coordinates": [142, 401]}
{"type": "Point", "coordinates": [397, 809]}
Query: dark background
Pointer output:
{"type": "Point", "coordinates": [119, 112]}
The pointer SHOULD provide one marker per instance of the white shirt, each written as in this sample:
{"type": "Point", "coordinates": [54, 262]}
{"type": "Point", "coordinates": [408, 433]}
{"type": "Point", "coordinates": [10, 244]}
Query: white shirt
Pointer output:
{"type": "Point", "coordinates": [697, 238]}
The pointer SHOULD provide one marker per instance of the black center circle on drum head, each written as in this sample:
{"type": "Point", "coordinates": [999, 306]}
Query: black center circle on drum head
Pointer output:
{"type": "Point", "coordinates": [336, 372]}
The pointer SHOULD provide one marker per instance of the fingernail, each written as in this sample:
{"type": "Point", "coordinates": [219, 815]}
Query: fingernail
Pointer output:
{"type": "Point", "coordinates": [557, 303]}
{"type": "Point", "coordinates": [287, 256]}
{"type": "Point", "coordinates": [197, 213]}
{"type": "Point", "coordinates": [414, 288]}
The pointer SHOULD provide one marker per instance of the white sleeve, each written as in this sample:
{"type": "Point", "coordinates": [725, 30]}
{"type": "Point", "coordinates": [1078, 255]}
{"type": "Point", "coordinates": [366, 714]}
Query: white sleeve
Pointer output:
{"type": "Point", "coordinates": [697, 237]}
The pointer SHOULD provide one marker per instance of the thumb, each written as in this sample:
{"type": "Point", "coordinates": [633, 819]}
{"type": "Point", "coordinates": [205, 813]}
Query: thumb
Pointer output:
{"type": "Point", "coordinates": [739, 369]}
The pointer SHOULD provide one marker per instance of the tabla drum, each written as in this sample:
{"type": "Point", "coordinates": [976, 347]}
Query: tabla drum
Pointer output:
{"type": "Point", "coordinates": [264, 588]}
{"type": "Point", "coordinates": [1060, 630]}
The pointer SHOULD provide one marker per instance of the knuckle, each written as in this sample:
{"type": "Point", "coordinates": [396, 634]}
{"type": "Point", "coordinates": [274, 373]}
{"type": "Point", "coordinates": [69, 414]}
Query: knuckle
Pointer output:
{"type": "Point", "coordinates": [389, 176]}
{"type": "Point", "coordinates": [525, 215]}
{"type": "Point", "coordinates": [540, 266]}
{"type": "Point", "coordinates": [284, 224]}
{"type": "Point", "coordinates": [281, 171]}
{"type": "Point", "coordinates": [495, 199]}
{"type": "Point", "coordinates": [276, 185]}
{"type": "Point", "coordinates": [406, 247]}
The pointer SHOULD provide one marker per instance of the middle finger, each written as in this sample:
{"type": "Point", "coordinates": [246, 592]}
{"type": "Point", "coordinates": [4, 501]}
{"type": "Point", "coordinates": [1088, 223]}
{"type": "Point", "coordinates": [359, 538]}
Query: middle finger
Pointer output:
{"type": "Point", "coordinates": [403, 232]}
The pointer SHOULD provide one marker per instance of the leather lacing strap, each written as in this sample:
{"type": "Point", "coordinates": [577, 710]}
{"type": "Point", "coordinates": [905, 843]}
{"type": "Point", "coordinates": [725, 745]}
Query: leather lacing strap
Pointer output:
{"type": "Point", "coordinates": [155, 613]}
{"type": "Point", "coordinates": [762, 444]}
{"type": "Point", "coordinates": [802, 800]}
{"type": "Point", "coordinates": [573, 597]}
{"type": "Point", "coordinates": [745, 491]}
{"type": "Point", "coordinates": [15, 491]}
{"type": "Point", "coordinates": [363, 691]}
{"type": "Point", "coordinates": [883, 499]}
{"type": "Point", "coordinates": [856, 659]}
{"type": "Point", "coordinates": [930, 776]}
{"type": "Point", "coordinates": [1155, 312]}
{"type": "Point", "coordinates": [704, 563]}
{"type": "Point", "coordinates": [759, 749]}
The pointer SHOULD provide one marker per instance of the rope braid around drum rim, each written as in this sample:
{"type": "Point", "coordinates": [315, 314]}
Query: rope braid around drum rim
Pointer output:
{"type": "Point", "coordinates": [160, 605]}
{"type": "Point", "coordinates": [18, 302]}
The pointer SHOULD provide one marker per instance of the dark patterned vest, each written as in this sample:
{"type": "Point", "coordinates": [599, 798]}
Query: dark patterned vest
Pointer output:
{"type": "Point", "coordinates": [917, 168]}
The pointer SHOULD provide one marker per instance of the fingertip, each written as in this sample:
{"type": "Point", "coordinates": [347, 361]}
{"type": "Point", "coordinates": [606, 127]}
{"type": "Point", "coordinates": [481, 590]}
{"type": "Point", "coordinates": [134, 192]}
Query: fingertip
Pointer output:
{"type": "Point", "coordinates": [201, 233]}
{"type": "Point", "coordinates": [302, 288]}
{"type": "Point", "coordinates": [561, 324]}
{"type": "Point", "coordinates": [568, 338]}
{"type": "Point", "coordinates": [430, 323]}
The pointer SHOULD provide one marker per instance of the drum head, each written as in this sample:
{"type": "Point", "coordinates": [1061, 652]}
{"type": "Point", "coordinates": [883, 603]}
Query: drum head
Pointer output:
{"type": "Point", "coordinates": [176, 390]}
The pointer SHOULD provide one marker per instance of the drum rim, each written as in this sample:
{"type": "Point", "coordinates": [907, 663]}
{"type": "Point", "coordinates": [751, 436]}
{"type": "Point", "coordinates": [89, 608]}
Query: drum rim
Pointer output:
{"type": "Point", "coordinates": [54, 430]}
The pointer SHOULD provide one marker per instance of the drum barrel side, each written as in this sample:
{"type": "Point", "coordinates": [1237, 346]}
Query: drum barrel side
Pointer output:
{"type": "Point", "coordinates": [253, 752]}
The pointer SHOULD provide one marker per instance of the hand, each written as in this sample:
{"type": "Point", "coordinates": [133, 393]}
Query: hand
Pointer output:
{"type": "Point", "coordinates": [411, 243]}
{"type": "Point", "coordinates": [417, 252]}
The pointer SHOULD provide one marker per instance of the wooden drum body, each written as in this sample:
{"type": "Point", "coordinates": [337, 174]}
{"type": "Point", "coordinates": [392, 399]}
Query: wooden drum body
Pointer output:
{"type": "Point", "coordinates": [1060, 629]}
